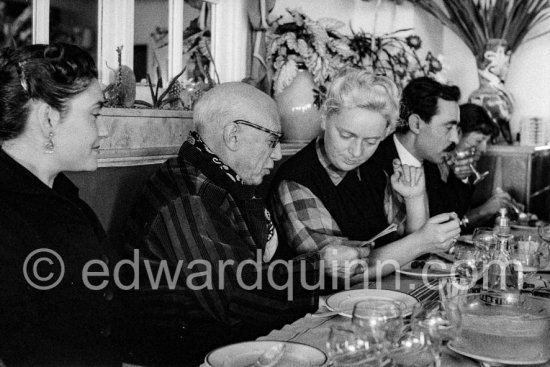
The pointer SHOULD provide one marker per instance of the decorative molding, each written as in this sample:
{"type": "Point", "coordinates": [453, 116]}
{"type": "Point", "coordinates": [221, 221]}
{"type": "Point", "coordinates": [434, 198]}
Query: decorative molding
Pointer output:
{"type": "Point", "coordinates": [115, 28]}
{"type": "Point", "coordinates": [41, 21]}
{"type": "Point", "coordinates": [158, 155]}
{"type": "Point", "coordinates": [175, 37]}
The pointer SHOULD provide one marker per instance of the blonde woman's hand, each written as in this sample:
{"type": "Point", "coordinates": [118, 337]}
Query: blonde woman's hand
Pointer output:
{"type": "Point", "coordinates": [440, 232]}
{"type": "Point", "coordinates": [344, 261]}
{"type": "Point", "coordinates": [408, 181]}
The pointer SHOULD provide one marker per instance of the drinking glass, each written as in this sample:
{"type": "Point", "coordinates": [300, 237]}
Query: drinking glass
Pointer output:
{"type": "Point", "coordinates": [414, 348]}
{"type": "Point", "coordinates": [526, 252]}
{"type": "Point", "coordinates": [380, 320]}
{"type": "Point", "coordinates": [484, 239]}
{"type": "Point", "coordinates": [347, 347]}
{"type": "Point", "coordinates": [457, 155]}
{"type": "Point", "coordinates": [468, 262]}
{"type": "Point", "coordinates": [441, 320]}
{"type": "Point", "coordinates": [544, 233]}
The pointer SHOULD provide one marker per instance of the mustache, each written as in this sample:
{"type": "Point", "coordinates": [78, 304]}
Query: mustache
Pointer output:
{"type": "Point", "coordinates": [450, 148]}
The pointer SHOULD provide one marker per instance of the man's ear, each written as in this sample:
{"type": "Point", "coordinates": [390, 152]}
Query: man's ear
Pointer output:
{"type": "Point", "coordinates": [323, 122]}
{"type": "Point", "coordinates": [231, 136]}
{"type": "Point", "coordinates": [49, 119]}
{"type": "Point", "coordinates": [414, 123]}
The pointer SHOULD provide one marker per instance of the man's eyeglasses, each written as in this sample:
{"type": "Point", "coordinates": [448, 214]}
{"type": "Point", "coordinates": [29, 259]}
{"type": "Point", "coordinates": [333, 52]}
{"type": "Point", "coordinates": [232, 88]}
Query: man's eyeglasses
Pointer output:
{"type": "Point", "coordinates": [277, 135]}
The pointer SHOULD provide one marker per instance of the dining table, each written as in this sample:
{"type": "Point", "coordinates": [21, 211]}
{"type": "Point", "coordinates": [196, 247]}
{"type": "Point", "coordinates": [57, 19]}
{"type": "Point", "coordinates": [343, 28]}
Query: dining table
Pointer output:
{"type": "Point", "coordinates": [313, 329]}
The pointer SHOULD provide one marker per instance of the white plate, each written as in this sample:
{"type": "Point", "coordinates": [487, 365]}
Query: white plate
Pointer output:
{"type": "Point", "coordinates": [247, 353]}
{"type": "Point", "coordinates": [343, 302]}
{"type": "Point", "coordinates": [438, 269]}
{"type": "Point", "coordinates": [494, 360]}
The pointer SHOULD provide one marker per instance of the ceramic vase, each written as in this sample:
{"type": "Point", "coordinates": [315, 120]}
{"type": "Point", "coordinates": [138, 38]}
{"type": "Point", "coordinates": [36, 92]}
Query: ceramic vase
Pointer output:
{"type": "Point", "coordinates": [300, 117]}
{"type": "Point", "coordinates": [492, 94]}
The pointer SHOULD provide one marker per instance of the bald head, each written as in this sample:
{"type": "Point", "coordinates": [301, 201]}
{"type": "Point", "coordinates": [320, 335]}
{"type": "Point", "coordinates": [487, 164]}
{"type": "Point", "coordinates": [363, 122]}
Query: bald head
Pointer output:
{"type": "Point", "coordinates": [241, 125]}
{"type": "Point", "coordinates": [231, 101]}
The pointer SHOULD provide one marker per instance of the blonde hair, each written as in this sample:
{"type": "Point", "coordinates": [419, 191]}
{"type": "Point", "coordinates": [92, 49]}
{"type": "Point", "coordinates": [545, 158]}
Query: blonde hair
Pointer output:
{"type": "Point", "coordinates": [354, 88]}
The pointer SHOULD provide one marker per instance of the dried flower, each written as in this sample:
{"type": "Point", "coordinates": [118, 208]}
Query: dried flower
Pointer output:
{"type": "Point", "coordinates": [414, 42]}
{"type": "Point", "coordinates": [392, 55]}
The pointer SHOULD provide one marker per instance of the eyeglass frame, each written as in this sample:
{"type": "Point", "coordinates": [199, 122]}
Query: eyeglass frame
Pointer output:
{"type": "Point", "coordinates": [278, 136]}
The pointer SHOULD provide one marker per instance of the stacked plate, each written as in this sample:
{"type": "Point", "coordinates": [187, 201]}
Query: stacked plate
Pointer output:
{"type": "Point", "coordinates": [247, 354]}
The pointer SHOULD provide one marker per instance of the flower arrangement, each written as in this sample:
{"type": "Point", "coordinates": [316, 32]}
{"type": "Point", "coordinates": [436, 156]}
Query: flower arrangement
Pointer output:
{"type": "Point", "coordinates": [478, 21]}
{"type": "Point", "coordinates": [323, 50]}
{"type": "Point", "coordinates": [395, 56]}
{"type": "Point", "coordinates": [318, 45]}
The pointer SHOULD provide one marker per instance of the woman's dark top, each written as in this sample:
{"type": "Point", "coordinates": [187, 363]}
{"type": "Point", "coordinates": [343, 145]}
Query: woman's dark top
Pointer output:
{"type": "Point", "coordinates": [356, 203]}
{"type": "Point", "coordinates": [69, 324]}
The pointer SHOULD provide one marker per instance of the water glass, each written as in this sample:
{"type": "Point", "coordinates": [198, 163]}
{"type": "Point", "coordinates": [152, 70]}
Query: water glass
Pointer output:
{"type": "Point", "coordinates": [414, 348]}
{"type": "Point", "coordinates": [526, 253]}
{"type": "Point", "coordinates": [442, 320]}
{"type": "Point", "coordinates": [346, 347]}
{"type": "Point", "coordinates": [484, 239]}
{"type": "Point", "coordinates": [381, 320]}
{"type": "Point", "coordinates": [450, 287]}
{"type": "Point", "coordinates": [468, 261]}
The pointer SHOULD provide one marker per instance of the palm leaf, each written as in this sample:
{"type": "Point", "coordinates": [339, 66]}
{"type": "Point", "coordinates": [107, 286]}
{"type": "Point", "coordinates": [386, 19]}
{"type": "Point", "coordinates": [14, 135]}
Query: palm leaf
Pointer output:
{"type": "Point", "coordinates": [477, 21]}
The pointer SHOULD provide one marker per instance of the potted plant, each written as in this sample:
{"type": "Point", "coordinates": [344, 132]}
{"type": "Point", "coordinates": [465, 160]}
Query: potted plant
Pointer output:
{"type": "Point", "coordinates": [304, 55]}
{"type": "Point", "coordinates": [140, 130]}
{"type": "Point", "coordinates": [394, 55]}
{"type": "Point", "coordinates": [492, 30]}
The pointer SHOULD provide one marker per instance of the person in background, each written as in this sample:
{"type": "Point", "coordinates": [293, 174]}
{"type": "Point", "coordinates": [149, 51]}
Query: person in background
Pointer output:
{"type": "Point", "coordinates": [49, 110]}
{"type": "Point", "coordinates": [476, 128]}
{"type": "Point", "coordinates": [428, 131]}
{"type": "Point", "coordinates": [201, 207]}
{"type": "Point", "coordinates": [320, 196]}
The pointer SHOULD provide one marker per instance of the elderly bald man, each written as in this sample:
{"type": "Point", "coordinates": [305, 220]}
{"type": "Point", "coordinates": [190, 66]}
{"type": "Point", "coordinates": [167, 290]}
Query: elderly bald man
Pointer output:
{"type": "Point", "coordinates": [200, 210]}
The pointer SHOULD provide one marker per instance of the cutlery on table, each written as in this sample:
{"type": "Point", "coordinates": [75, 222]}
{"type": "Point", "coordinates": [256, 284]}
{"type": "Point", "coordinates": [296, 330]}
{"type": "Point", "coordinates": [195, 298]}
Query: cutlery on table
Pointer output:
{"type": "Point", "coordinates": [391, 228]}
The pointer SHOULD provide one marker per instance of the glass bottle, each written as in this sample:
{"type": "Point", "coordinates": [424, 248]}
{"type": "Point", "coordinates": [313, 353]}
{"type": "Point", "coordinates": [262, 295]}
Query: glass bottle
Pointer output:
{"type": "Point", "coordinates": [502, 223]}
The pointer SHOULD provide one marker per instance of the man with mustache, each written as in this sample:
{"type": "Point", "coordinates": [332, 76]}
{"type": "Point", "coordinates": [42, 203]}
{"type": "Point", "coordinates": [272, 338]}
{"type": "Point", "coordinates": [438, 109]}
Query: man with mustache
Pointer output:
{"type": "Point", "coordinates": [320, 196]}
{"type": "Point", "coordinates": [428, 130]}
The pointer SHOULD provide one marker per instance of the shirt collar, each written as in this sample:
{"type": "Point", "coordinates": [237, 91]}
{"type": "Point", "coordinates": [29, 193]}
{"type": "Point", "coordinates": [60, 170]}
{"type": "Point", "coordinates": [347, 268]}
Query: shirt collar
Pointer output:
{"type": "Point", "coordinates": [335, 175]}
{"type": "Point", "coordinates": [404, 155]}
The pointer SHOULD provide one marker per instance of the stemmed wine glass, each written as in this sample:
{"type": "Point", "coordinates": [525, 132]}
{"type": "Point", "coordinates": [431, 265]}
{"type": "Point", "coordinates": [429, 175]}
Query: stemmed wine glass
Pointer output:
{"type": "Point", "coordinates": [457, 155]}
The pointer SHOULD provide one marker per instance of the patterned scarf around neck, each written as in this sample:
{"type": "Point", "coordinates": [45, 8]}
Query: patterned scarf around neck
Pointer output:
{"type": "Point", "coordinates": [196, 141]}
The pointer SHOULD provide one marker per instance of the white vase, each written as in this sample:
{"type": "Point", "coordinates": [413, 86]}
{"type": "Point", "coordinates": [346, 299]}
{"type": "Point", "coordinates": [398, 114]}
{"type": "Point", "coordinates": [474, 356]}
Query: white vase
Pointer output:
{"type": "Point", "coordinates": [300, 117]}
{"type": "Point", "coordinates": [492, 94]}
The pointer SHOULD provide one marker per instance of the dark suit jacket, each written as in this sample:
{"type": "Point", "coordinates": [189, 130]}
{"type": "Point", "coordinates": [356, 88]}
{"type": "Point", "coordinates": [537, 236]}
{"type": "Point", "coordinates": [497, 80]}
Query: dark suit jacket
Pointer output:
{"type": "Point", "coordinates": [451, 196]}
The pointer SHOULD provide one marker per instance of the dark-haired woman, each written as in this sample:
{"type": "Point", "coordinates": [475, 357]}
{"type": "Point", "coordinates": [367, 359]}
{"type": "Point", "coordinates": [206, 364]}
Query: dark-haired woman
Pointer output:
{"type": "Point", "coordinates": [52, 312]}
{"type": "Point", "coordinates": [477, 128]}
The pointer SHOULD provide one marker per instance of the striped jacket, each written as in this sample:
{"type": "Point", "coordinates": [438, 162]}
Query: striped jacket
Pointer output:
{"type": "Point", "coordinates": [192, 217]}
